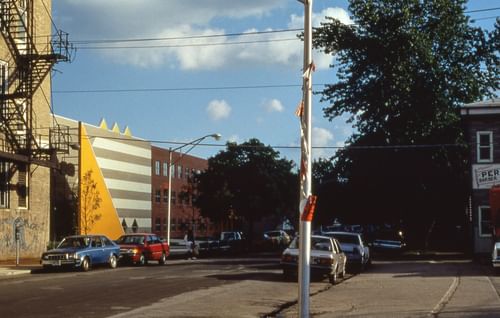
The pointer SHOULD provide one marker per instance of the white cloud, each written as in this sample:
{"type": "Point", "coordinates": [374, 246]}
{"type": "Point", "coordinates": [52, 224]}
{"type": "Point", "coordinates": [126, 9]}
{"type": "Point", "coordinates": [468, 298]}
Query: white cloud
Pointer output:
{"type": "Point", "coordinates": [321, 137]}
{"type": "Point", "coordinates": [88, 19]}
{"type": "Point", "coordinates": [273, 105]}
{"type": "Point", "coordinates": [218, 109]}
{"type": "Point", "coordinates": [321, 60]}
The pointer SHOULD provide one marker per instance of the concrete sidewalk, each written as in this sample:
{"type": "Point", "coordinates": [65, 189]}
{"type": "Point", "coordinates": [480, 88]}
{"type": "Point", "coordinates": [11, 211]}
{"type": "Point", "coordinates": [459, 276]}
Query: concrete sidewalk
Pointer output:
{"type": "Point", "coordinates": [25, 267]}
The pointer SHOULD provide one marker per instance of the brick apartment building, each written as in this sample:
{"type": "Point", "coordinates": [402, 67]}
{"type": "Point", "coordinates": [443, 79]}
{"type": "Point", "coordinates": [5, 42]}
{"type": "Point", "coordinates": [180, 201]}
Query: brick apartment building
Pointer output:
{"type": "Point", "coordinates": [183, 214]}
{"type": "Point", "coordinates": [482, 130]}
{"type": "Point", "coordinates": [28, 138]}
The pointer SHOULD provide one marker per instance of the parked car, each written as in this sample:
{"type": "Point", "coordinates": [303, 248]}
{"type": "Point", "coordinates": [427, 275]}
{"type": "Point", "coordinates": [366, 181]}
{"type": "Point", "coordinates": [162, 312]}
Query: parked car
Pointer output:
{"type": "Point", "coordinates": [495, 257]}
{"type": "Point", "coordinates": [327, 258]}
{"type": "Point", "coordinates": [82, 251]}
{"type": "Point", "coordinates": [357, 252]}
{"type": "Point", "coordinates": [139, 248]}
{"type": "Point", "coordinates": [277, 238]}
{"type": "Point", "coordinates": [232, 241]}
{"type": "Point", "coordinates": [208, 244]}
{"type": "Point", "coordinates": [389, 241]}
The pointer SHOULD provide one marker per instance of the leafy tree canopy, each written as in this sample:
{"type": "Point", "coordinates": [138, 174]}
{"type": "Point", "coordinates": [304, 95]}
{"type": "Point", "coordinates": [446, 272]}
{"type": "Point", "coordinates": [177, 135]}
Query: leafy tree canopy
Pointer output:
{"type": "Point", "coordinates": [404, 68]}
{"type": "Point", "coordinates": [249, 180]}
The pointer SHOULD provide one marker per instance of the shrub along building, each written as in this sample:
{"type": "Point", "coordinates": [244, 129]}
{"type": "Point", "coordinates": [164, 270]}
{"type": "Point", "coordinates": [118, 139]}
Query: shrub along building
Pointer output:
{"type": "Point", "coordinates": [28, 138]}
{"type": "Point", "coordinates": [482, 130]}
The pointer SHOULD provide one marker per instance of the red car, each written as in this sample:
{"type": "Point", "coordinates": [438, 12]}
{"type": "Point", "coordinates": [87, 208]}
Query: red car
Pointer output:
{"type": "Point", "coordinates": [139, 248]}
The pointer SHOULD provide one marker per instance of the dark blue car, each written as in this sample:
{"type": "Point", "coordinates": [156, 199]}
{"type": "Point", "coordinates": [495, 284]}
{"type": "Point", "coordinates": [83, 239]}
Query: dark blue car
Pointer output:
{"type": "Point", "coordinates": [82, 251]}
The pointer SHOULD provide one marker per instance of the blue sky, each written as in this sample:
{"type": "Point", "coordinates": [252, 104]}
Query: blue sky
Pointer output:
{"type": "Point", "coordinates": [172, 92]}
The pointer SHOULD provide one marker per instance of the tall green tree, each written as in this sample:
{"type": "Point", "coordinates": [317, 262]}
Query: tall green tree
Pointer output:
{"type": "Point", "coordinates": [249, 180]}
{"type": "Point", "coordinates": [404, 68]}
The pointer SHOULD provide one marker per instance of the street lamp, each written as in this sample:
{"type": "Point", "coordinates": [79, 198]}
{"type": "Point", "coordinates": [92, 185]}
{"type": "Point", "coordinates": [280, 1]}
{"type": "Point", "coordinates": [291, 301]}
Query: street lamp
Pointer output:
{"type": "Point", "coordinates": [193, 144]}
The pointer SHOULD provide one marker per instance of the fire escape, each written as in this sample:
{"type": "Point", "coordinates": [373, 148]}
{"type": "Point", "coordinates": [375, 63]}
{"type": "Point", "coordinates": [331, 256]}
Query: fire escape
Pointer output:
{"type": "Point", "coordinates": [32, 60]}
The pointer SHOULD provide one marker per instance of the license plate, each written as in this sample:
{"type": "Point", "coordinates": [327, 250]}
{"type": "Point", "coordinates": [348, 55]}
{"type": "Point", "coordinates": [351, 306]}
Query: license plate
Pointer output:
{"type": "Point", "coordinates": [52, 262]}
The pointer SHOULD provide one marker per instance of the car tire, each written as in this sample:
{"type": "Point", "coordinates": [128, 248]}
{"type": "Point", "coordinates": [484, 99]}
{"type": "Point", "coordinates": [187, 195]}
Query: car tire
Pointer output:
{"type": "Point", "coordinates": [163, 259]}
{"type": "Point", "coordinates": [85, 266]}
{"type": "Point", "coordinates": [113, 262]}
{"type": "Point", "coordinates": [342, 274]}
{"type": "Point", "coordinates": [142, 260]}
{"type": "Point", "coordinates": [333, 278]}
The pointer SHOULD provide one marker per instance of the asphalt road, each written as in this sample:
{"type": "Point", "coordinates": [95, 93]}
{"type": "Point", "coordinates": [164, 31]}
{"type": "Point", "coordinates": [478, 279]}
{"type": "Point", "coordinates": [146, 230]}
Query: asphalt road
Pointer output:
{"type": "Point", "coordinates": [103, 292]}
{"type": "Point", "coordinates": [254, 287]}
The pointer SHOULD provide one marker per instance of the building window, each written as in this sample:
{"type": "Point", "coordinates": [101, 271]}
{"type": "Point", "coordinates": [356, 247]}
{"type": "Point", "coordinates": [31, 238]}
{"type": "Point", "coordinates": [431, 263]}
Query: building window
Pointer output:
{"type": "Point", "coordinates": [157, 196]}
{"type": "Point", "coordinates": [157, 224]}
{"type": "Point", "coordinates": [157, 168]}
{"type": "Point", "coordinates": [484, 146]}
{"type": "Point", "coordinates": [484, 221]}
{"type": "Point", "coordinates": [4, 75]}
{"type": "Point", "coordinates": [172, 171]}
{"type": "Point", "coordinates": [4, 184]}
{"type": "Point", "coordinates": [165, 169]}
{"type": "Point", "coordinates": [165, 195]}
{"type": "Point", "coordinates": [173, 198]}
{"type": "Point", "coordinates": [179, 171]}
{"type": "Point", "coordinates": [22, 185]}
{"type": "Point", "coordinates": [173, 224]}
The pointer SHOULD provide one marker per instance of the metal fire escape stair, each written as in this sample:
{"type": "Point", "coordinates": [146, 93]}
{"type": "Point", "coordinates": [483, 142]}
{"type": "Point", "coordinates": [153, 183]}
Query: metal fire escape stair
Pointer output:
{"type": "Point", "coordinates": [33, 62]}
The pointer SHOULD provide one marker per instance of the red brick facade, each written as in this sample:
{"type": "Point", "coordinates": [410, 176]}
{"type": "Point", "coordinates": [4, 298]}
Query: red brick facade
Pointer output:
{"type": "Point", "coordinates": [183, 215]}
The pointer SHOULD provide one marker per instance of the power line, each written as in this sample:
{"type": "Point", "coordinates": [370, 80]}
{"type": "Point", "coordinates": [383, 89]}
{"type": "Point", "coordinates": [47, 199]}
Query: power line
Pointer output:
{"type": "Point", "coordinates": [482, 10]}
{"type": "Point", "coordinates": [485, 18]}
{"type": "Point", "coordinates": [367, 147]}
{"type": "Point", "coordinates": [188, 37]}
{"type": "Point", "coordinates": [182, 45]}
{"type": "Point", "coordinates": [179, 89]}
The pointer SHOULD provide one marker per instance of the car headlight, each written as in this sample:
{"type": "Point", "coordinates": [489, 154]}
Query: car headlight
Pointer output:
{"type": "Point", "coordinates": [45, 256]}
{"type": "Point", "coordinates": [72, 256]}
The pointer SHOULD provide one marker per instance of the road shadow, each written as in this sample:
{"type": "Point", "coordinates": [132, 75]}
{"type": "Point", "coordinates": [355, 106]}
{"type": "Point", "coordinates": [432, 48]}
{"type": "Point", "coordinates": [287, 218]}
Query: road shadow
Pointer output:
{"type": "Point", "coordinates": [430, 268]}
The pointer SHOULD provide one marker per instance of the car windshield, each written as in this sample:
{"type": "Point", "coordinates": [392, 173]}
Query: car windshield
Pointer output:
{"type": "Point", "coordinates": [317, 243]}
{"type": "Point", "coordinates": [346, 238]}
{"type": "Point", "coordinates": [228, 236]}
{"type": "Point", "coordinates": [131, 239]}
{"type": "Point", "coordinates": [78, 242]}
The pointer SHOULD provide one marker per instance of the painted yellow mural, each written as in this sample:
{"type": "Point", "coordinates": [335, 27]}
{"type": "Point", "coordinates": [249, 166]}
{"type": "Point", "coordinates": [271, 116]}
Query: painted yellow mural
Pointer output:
{"type": "Point", "coordinates": [97, 214]}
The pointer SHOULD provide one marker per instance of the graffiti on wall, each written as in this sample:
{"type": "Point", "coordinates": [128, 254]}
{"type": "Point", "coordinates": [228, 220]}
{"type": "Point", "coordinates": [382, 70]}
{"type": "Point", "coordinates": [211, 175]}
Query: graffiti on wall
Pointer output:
{"type": "Point", "coordinates": [25, 230]}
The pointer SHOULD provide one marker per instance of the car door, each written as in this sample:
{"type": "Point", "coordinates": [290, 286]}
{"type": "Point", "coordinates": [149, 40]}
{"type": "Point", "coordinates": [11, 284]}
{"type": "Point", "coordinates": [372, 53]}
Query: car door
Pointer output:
{"type": "Point", "coordinates": [94, 250]}
{"type": "Point", "coordinates": [108, 247]}
{"type": "Point", "coordinates": [338, 255]}
{"type": "Point", "coordinates": [149, 247]}
{"type": "Point", "coordinates": [155, 247]}
{"type": "Point", "coordinates": [100, 253]}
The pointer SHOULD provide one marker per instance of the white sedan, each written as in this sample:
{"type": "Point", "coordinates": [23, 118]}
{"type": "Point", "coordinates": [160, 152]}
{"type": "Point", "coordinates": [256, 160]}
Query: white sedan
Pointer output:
{"type": "Point", "coordinates": [327, 258]}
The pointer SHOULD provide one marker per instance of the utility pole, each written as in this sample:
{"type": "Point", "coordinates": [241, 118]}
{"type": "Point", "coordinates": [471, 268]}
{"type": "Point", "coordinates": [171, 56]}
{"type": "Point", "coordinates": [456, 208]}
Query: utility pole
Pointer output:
{"type": "Point", "coordinates": [304, 113]}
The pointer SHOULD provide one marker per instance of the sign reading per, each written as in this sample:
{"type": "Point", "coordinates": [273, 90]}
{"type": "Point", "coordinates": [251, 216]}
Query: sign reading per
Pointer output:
{"type": "Point", "coordinates": [485, 176]}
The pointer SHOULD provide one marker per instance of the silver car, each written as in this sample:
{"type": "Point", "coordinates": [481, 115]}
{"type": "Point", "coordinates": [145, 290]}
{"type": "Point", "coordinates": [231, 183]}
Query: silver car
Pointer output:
{"type": "Point", "coordinates": [357, 252]}
{"type": "Point", "coordinates": [327, 258]}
